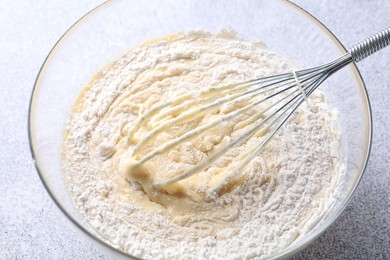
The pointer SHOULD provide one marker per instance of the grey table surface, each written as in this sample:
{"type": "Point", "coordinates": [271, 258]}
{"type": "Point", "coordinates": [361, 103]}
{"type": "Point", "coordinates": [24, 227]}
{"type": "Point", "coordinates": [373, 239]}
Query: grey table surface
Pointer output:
{"type": "Point", "coordinates": [31, 225]}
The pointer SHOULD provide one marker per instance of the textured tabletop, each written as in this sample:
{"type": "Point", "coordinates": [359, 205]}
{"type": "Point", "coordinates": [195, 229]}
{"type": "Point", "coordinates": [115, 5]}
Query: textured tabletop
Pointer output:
{"type": "Point", "coordinates": [31, 225]}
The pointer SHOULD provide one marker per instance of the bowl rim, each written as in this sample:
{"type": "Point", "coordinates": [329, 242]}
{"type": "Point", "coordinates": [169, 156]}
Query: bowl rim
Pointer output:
{"type": "Point", "coordinates": [285, 253]}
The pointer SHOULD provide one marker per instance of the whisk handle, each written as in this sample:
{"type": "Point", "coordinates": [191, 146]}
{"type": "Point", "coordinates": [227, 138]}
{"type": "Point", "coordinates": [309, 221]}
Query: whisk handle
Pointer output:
{"type": "Point", "coordinates": [370, 45]}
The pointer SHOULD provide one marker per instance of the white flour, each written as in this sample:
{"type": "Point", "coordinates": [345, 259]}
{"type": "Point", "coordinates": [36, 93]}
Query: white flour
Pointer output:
{"type": "Point", "coordinates": [287, 188]}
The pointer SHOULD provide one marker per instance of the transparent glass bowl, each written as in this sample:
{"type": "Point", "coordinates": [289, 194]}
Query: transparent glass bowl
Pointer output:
{"type": "Point", "coordinates": [114, 27]}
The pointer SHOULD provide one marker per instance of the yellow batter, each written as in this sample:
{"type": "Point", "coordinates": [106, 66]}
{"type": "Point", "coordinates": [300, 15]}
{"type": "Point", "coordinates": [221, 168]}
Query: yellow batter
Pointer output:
{"type": "Point", "coordinates": [277, 196]}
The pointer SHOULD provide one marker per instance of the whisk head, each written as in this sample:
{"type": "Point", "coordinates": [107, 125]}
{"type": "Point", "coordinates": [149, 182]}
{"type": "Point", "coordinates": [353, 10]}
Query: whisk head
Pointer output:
{"type": "Point", "coordinates": [267, 104]}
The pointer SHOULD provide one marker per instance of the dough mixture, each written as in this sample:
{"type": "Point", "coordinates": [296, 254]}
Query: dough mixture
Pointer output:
{"type": "Point", "coordinates": [279, 196]}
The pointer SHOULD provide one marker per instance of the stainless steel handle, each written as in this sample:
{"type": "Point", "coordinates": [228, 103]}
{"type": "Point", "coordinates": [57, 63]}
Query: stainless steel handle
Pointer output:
{"type": "Point", "coordinates": [370, 45]}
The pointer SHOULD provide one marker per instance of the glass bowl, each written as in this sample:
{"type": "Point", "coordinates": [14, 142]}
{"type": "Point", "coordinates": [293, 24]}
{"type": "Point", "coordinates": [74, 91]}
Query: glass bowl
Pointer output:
{"type": "Point", "coordinates": [114, 27]}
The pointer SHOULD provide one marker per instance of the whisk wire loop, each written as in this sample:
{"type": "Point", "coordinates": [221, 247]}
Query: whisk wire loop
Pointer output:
{"type": "Point", "coordinates": [285, 93]}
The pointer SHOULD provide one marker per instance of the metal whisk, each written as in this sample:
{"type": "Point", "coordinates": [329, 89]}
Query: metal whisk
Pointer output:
{"type": "Point", "coordinates": [282, 95]}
